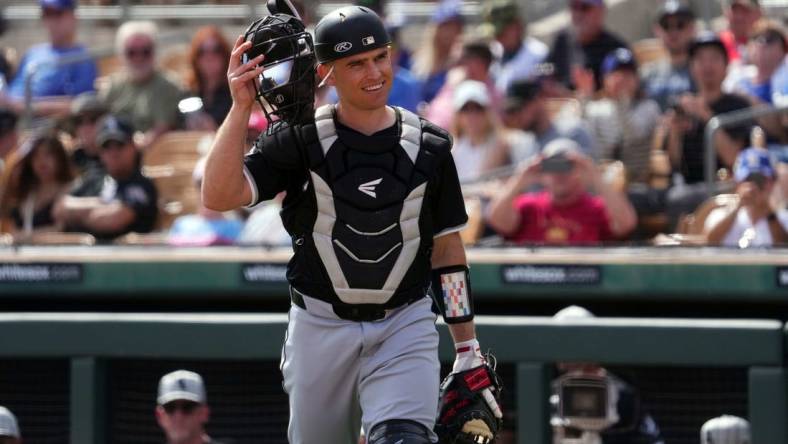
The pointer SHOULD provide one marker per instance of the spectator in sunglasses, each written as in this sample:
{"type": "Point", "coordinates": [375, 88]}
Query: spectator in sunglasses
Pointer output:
{"type": "Point", "coordinates": [750, 221]}
{"type": "Point", "coordinates": [668, 78]}
{"type": "Point", "coordinates": [127, 200]}
{"type": "Point", "coordinates": [766, 79]}
{"type": "Point", "coordinates": [209, 56]}
{"type": "Point", "coordinates": [141, 93]}
{"type": "Point", "coordinates": [182, 408]}
{"type": "Point", "coordinates": [52, 86]}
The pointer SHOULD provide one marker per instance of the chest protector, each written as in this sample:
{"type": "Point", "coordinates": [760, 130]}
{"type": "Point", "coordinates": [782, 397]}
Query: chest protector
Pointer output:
{"type": "Point", "coordinates": [369, 202]}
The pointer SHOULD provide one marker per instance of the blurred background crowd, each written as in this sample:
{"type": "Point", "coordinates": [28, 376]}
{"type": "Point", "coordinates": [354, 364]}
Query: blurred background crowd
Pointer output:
{"type": "Point", "coordinates": [584, 138]}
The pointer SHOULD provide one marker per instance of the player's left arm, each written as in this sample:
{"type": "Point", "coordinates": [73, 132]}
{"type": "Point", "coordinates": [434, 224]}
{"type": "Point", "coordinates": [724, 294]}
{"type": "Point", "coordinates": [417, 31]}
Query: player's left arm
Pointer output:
{"type": "Point", "coordinates": [448, 251]}
{"type": "Point", "coordinates": [450, 274]}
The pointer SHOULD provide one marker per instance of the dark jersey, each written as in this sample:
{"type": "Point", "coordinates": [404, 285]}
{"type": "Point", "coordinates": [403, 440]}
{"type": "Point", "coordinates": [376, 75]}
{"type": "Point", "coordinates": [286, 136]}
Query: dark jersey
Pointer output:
{"type": "Point", "coordinates": [362, 210]}
{"type": "Point", "coordinates": [693, 146]}
{"type": "Point", "coordinates": [566, 53]}
{"type": "Point", "coordinates": [138, 193]}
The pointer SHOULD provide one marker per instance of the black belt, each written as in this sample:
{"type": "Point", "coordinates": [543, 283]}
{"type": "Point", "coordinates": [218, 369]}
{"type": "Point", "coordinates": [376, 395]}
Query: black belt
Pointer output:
{"type": "Point", "coordinates": [353, 312]}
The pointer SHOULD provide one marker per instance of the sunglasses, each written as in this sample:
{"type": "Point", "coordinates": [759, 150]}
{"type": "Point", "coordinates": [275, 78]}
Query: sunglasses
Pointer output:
{"type": "Point", "coordinates": [675, 25]}
{"type": "Point", "coordinates": [143, 52]}
{"type": "Point", "coordinates": [580, 7]}
{"type": "Point", "coordinates": [186, 407]}
{"type": "Point", "coordinates": [113, 145]}
{"type": "Point", "coordinates": [471, 107]}
{"type": "Point", "coordinates": [52, 13]}
{"type": "Point", "coordinates": [209, 50]}
{"type": "Point", "coordinates": [768, 39]}
{"type": "Point", "coordinates": [87, 119]}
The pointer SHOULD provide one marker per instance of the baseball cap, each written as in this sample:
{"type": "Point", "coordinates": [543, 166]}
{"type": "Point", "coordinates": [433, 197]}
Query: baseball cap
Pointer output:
{"type": "Point", "coordinates": [725, 429]}
{"type": "Point", "coordinates": [87, 103]}
{"type": "Point", "coordinates": [500, 13]}
{"type": "Point", "coordinates": [573, 312]}
{"type": "Point", "coordinates": [447, 11]}
{"type": "Point", "coordinates": [58, 4]}
{"type": "Point", "coordinates": [560, 148]}
{"type": "Point", "coordinates": [470, 91]}
{"type": "Point", "coordinates": [753, 161]}
{"type": "Point", "coordinates": [619, 59]}
{"type": "Point", "coordinates": [181, 385]}
{"type": "Point", "coordinates": [112, 128]}
{"type": "Point", "coordinates": [674, 8]}
{"type": "Point", "coordinates": [707, 39]}
{"type": "Point", "coordinates": [521, 92]}
{"type": "Point", "coordinates": [8, 424]}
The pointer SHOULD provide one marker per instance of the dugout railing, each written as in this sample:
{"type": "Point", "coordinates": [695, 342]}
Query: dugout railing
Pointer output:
{"type": "Point", "coordinates": [90, 340]}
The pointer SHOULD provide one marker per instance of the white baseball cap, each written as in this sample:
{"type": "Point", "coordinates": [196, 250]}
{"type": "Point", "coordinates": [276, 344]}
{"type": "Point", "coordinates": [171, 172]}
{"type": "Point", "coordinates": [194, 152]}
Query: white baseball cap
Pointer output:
{"type": "Point", "coordinates": [726, 429]}
{"type": "Point", "coordinates": [8, 424]}
{"type": "Point", "coordinates": [470, 91]}
{"type": "Point", "coordinates": [181, 385]}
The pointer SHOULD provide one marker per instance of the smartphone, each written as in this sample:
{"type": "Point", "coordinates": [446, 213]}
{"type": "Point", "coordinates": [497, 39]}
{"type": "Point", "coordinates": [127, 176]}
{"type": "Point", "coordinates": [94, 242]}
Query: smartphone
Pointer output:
{"type": "Point", "coordinates": [557, 164]}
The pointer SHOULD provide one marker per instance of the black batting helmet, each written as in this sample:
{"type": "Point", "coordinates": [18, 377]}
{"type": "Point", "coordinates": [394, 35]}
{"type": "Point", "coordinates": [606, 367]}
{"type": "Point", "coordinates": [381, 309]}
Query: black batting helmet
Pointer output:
{"type": "Point", "coordinates": [349, 31]}
{"type": "Point", "coordinates": [286, 88]}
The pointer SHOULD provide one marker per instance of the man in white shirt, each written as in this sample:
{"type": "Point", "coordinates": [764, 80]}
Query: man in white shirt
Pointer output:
{"type": "Point", "coordinates": [751, 222]}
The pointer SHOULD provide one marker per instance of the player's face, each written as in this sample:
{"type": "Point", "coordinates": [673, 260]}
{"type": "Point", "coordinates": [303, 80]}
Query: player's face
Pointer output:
{"type": "Point", "coordinates": [182, 421]}
{"type": "Point", "coordinates": [364, 80]}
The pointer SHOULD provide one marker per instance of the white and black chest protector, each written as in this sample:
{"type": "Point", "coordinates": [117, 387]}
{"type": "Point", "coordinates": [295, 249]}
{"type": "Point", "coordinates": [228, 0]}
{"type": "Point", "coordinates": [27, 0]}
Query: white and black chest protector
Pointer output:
{"type": "Point", "coordinates": [369, 200]}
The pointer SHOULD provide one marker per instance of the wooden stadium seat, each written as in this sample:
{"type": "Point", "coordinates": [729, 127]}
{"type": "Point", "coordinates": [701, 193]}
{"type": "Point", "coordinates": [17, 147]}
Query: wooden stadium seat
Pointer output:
{"type": "Point", "coordinates": [109, 65]}
{"type": "Point", "coordinates": [56, 238]}
{"type": "Point", "coordinates": [694, 222]}
{"type": "Point", "coordinates": [170, 163]}
{"type": "Point", "coordinates": [475, 226]}
{"type": "Point", "coordinates": [648, 50]}
{"type": "Point", "coordinates": [563, 107]}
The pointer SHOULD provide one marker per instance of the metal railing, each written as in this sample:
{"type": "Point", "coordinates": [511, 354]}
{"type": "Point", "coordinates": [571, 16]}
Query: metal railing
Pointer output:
{"type": "Point", "coordinates": [725, 120]}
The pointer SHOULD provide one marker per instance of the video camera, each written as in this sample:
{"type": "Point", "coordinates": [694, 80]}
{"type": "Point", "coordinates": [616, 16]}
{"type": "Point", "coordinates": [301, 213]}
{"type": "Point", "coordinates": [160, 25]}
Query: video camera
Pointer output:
{"type": "Point", "coordinates": [584, 405]}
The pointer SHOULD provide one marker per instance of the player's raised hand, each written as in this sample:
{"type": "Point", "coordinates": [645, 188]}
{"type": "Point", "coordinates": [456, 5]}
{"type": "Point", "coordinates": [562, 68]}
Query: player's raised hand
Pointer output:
{"type": "Point", "coordinates": [240, 75]}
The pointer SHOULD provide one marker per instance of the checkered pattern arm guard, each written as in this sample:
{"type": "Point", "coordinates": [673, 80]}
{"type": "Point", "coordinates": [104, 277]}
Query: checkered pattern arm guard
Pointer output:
{"type": "Point", "coordinates": [464, 416]}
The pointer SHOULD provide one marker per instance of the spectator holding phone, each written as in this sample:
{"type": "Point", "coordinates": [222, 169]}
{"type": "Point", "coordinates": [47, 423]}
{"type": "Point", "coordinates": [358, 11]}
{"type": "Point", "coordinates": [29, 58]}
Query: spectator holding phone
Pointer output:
{"type": "Point", "coordinates": [564, 212]}
{"type": "Point", "coordinates": [750, 221]}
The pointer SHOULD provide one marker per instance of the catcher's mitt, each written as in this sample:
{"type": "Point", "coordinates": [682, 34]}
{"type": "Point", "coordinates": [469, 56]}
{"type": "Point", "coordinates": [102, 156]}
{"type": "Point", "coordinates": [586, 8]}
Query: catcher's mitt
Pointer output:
{"type": "Point", "coordinates": [465, 415]}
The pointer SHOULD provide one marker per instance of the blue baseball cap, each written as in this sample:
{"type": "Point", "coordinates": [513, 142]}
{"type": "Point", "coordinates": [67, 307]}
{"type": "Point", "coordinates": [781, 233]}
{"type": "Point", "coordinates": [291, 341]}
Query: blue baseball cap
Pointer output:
{"type": "Point", "coordinates": [447, 11]}
{"type": "Point", "coordinates": [58, 4]}
{"type": "Point", "coordinates": [618, 59]}
{"type": "Point", "coordinates": [753, 161]}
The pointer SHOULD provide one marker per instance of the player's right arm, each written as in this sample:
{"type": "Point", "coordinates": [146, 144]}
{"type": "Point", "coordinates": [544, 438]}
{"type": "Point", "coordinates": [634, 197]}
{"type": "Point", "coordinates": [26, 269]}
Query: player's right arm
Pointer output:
{"type": "Point", "coordinates": [224, 185]}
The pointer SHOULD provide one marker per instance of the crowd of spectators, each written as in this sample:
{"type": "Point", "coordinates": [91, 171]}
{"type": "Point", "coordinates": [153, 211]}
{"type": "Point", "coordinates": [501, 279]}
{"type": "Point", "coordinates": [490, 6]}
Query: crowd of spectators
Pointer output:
{"type": "Point", "coordinates": [581, 141]}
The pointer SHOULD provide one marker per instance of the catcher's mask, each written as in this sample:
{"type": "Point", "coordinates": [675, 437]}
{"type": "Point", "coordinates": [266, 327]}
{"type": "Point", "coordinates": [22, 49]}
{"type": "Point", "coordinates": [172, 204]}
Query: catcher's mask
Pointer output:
{"type": "Point", "coordinates": [286, 87]}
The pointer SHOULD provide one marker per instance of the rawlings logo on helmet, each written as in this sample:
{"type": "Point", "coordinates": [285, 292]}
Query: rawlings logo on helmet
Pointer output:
{"type": "Point", "coordinates": [343, 47]}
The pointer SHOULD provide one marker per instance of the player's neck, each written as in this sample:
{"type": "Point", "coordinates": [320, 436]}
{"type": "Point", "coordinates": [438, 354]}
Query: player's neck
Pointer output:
{"type": "Point", "coordinates": [365, 121]}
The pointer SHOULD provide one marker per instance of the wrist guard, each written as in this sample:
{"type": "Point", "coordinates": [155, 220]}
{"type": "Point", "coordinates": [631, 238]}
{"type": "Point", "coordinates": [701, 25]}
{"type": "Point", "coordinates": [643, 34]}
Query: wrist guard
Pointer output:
{"type": "Point", "coordinates": [451, 290]}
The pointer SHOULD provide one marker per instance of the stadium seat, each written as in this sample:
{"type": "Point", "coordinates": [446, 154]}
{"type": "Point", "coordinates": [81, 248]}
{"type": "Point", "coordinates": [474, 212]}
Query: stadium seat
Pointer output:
{"type": "Point", "coordinates": [170, 163]}
{"type": "Point", "coordinates": [56, 238]}
{"type": "Point", "coordinates": [648, 50]}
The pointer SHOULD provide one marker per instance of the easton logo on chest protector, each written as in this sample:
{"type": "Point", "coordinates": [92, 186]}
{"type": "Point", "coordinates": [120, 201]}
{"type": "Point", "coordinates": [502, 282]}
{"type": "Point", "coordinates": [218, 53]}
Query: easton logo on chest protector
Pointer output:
{"type": "Point", "coordinates": [367, 245]}
{"type": "Point", "coordinates": [368, 188]}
